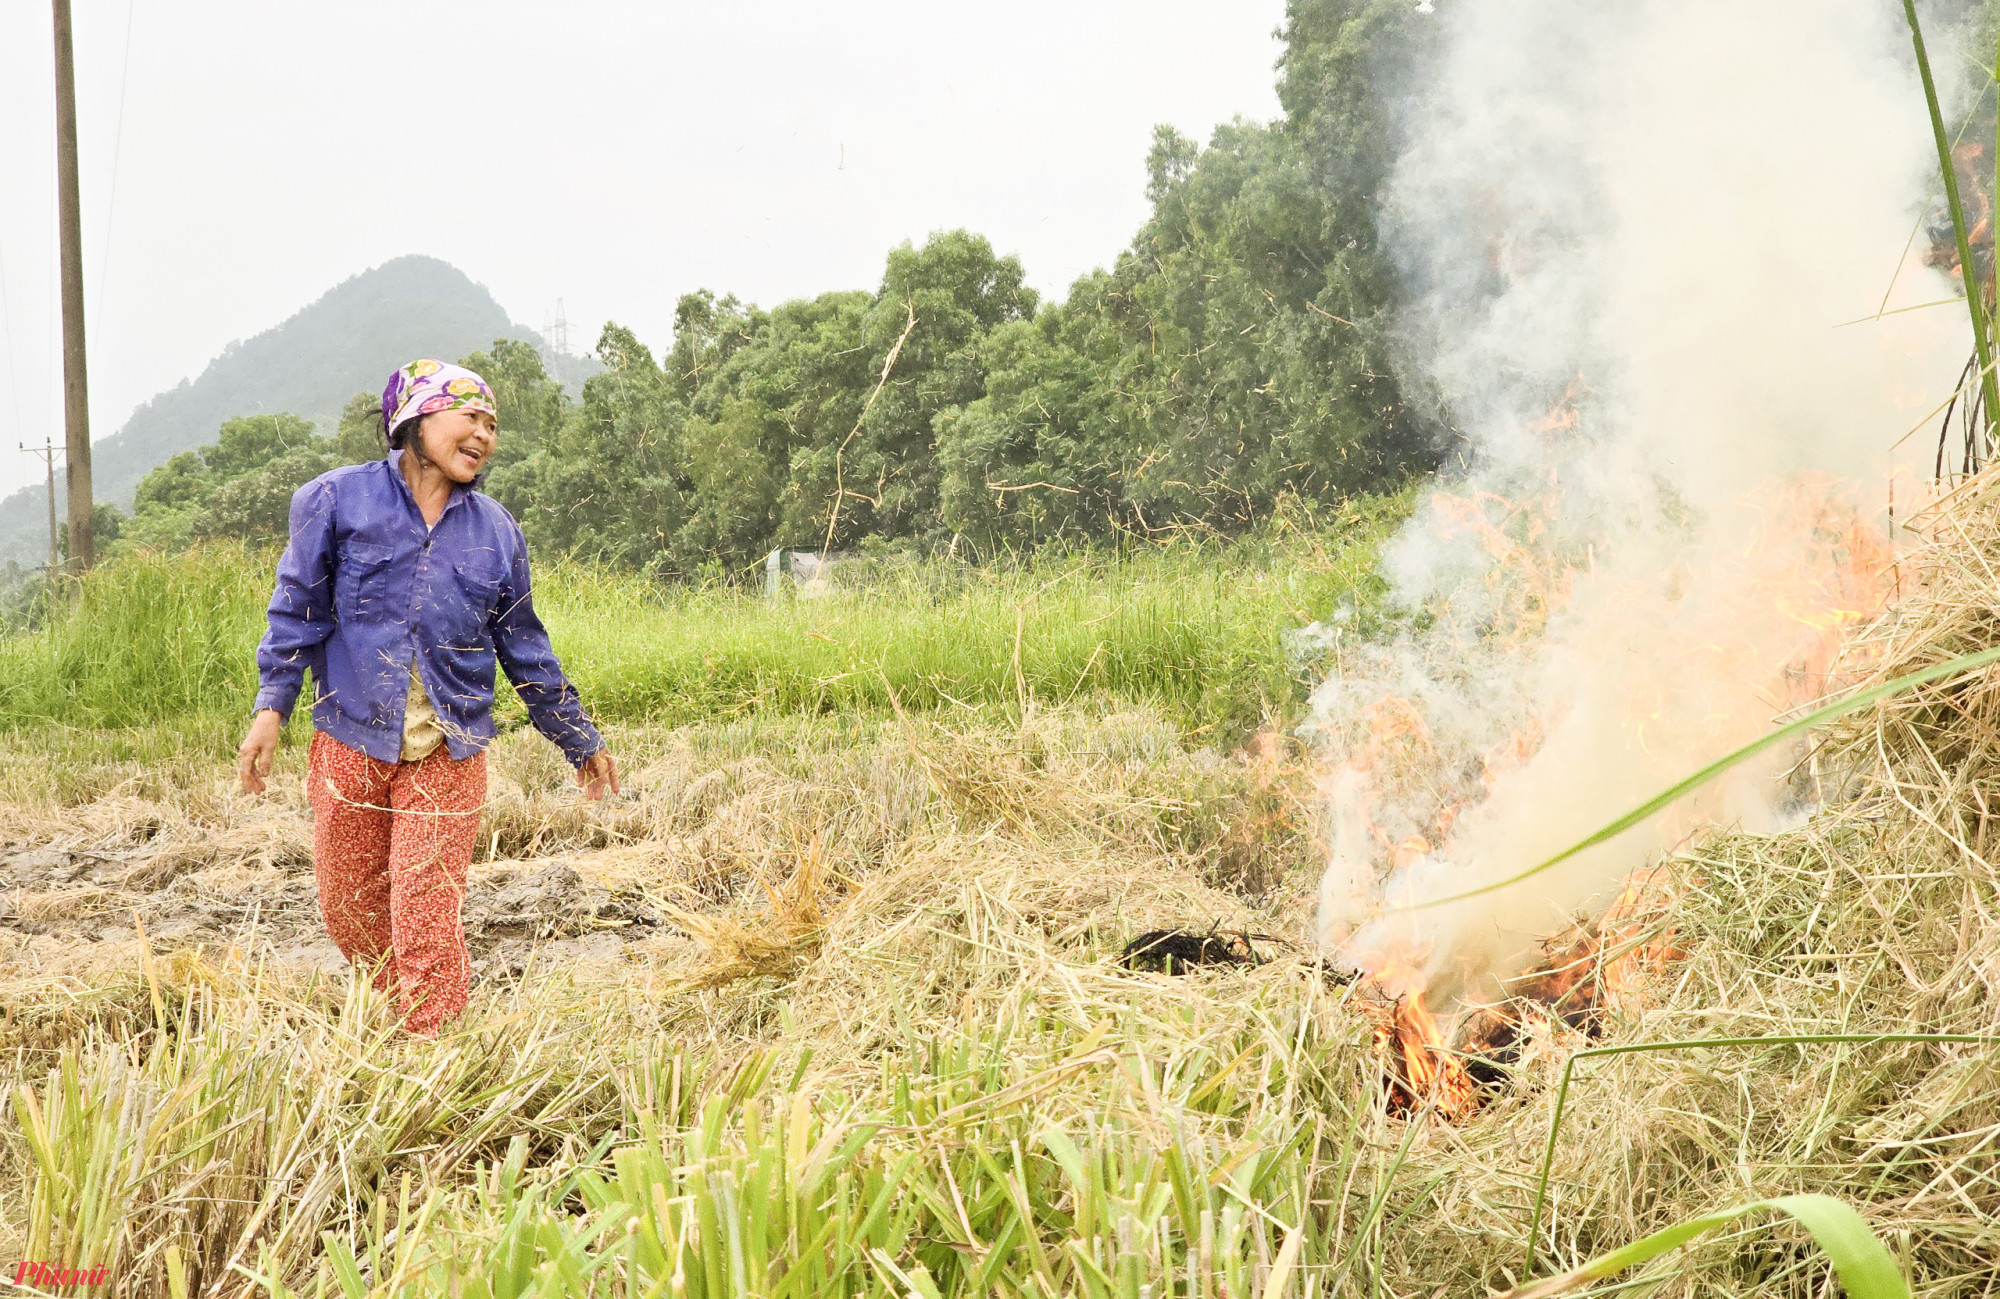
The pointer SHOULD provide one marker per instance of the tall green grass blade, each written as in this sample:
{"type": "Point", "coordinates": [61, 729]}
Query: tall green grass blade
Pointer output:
{"type": "Point", "coordinates": [1680, 789]}
{"type": "Point", "coordinates": [1975, 305]}
{"type": "Point", "coordinates": [1864, 1265]}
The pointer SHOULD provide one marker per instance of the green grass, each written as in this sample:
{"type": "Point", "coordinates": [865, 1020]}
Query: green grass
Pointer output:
{"type": "Point", "coordinates": [155, 652]}
{"type": "Point", "coordinates": [1118, 1141]}
{"type": "Point", "coordinates": [683, 1176]}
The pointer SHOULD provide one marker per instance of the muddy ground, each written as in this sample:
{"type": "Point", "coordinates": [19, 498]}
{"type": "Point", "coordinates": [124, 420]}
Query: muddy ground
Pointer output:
{"type": "Point", "coordinates": [56, 901]}
{"type": "Point", "coordinates": [1113, 817]}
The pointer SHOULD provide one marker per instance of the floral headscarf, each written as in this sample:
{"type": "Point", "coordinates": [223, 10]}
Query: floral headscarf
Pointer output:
{"type": "Point", "coordinates": [425, 387]}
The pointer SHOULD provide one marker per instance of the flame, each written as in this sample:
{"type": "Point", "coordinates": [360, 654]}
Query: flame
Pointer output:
{"type": "Point", "coordinates": [1510, 753]}
{"type": "Point", "coordinates": [1566, 416]}
{"type": "Point", "coordinates": [1773, 615]}
{"type": "Point", "coordinates": [1586, 968]}
{"type": "Point", "coordinates": [1423, 1068]}
{"type": "Point", "coordinates": [1428, 1072]}
{"type": "Point", "coordinates": [1975, 182]}
{"type": "Point", "coordinates": [1528, 584]}
{"type": "Point", "coordinates": [1565, 1001]}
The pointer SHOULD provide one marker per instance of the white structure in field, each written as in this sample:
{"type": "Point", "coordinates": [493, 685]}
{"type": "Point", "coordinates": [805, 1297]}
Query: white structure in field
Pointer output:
{"type": "Point", "coordinates": [809, 572]}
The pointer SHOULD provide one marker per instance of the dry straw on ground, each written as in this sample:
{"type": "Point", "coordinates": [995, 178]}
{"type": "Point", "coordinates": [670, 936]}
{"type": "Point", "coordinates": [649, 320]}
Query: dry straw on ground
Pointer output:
{"type": "Point", "coordinates": [908, 930]}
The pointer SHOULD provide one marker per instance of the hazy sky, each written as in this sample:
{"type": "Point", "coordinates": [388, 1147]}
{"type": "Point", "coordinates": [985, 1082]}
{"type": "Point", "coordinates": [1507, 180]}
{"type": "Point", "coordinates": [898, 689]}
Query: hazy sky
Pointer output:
{"type": "Point", "coordinates": [612, 155]}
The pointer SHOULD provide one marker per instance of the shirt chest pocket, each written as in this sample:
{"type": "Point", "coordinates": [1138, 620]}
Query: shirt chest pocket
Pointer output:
{"type": "Point", "coordinates": [360, 582]}
{"type": "Point", "coordinates": [479, 583]}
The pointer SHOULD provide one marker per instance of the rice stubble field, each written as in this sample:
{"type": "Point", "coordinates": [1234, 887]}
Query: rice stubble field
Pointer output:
{"type": "Point", "coordinates": [831, 1000]}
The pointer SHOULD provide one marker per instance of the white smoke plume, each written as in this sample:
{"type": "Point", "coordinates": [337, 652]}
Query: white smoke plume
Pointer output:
{"type": "Point", "coordinates": [1634, 231]}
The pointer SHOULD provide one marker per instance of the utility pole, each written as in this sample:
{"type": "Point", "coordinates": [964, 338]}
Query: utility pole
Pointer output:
{"type": "Point", "coordinates": [48, 452]}
{"type": "Point", "coordinates": [76, 385]}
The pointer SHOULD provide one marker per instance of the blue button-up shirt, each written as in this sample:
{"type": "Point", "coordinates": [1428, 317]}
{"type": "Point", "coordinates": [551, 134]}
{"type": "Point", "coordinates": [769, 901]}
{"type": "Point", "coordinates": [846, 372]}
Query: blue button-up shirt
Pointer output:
{"type": "Point", "coordinates": [366, 594]}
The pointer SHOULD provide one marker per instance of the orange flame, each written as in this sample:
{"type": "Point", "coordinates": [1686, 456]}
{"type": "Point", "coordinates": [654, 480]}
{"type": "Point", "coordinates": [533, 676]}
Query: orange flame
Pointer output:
{"type": "Point", "coordinates": [1424, 1070]}
{"type": "Point", "coordinates": [1774, 613]}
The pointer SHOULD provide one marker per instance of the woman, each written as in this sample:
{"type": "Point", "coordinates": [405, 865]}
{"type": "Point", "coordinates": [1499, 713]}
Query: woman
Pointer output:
{"type": "Point", "coordinates": [401, 586]}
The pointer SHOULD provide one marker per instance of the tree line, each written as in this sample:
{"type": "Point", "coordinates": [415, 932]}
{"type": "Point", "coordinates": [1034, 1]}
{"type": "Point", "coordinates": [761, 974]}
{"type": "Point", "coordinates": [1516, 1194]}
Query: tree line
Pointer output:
{"type": "Point", "coordinates": [1236, 356]}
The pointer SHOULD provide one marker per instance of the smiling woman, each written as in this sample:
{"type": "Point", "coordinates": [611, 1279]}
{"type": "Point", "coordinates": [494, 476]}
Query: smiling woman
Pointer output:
{"type": "Point", "coordinates": [401, 588]}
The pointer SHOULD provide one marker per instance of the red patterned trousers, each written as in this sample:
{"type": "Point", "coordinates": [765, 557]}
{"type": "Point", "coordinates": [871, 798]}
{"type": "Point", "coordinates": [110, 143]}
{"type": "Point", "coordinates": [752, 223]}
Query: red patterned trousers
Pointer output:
{"type": "Point", "coordinates": [391, 844]}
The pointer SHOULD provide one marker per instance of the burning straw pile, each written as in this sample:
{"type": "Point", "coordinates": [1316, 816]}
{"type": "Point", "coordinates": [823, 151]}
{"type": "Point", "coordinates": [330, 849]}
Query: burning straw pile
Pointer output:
{"type": "Point", "coordinates": [1880, 916]}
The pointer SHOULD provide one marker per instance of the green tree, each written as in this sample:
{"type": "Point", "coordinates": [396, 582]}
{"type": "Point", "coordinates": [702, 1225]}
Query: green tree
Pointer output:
{"type": "Point", "coordinates": [810, 367]}
{"type": "Point", "coordinates": [1239, 352]}
{"type": "Point", "coordinates": [781, 443]}
{"type": "Point", "coordinates": [794, 388]}
{"type": "Point", "coordinates": [948, 295]}
{"type": "Point", "coordinates": [358, 439]}
{"type": "Point", "coordinates": [252, 441]}
{"type": "Point", "coordinates": [255, 505]}
{"type": "Point", "coordinates": [180, 483]}
{"type": "Point", "coordinates": [255, 465]}
{"type": "Point", "coordinates": [1261, 275]}
{"type": "Point", "coordinates": [240, 485]}
{"type": "Point", "coordinates": [107, 524]}
{"type": "Point", "coordinates": [530, 403]}
{"type": "Point", "coordinates": [607, 482]}
{"type": "Point", "coordinates": [735, 468]}
{"type": "Point", "coordinates": [166, 502]}
{"type": "Point", "coordinates": [1041, 454]}
{"type": "Point", "coordinates": [706, 334]}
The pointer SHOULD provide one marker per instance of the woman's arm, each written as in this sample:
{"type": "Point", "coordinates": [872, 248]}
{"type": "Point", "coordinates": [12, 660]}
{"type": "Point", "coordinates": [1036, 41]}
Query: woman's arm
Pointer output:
{"type": "Point", "coordinates": [522, 645]}
{"type": "Point", "coordinates": [299, 621]}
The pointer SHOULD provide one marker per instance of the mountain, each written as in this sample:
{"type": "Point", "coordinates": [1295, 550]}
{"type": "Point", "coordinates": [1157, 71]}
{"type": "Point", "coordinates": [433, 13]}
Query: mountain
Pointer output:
{"type": "Point", "coordinates": [346, 342]}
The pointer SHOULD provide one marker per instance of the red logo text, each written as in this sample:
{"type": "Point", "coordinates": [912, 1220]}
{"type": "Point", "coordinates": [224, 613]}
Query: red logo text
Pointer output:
{"type": "Point", "coordinates": [48, 1274]}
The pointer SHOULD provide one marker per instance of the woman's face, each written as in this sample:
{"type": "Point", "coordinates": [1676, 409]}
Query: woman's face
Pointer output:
{"type": "Point", "coordinates": [458, 442]}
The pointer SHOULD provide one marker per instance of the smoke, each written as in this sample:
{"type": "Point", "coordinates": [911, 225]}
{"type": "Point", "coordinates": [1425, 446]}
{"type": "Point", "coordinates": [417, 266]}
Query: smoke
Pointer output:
{"type": "Point", "coordinates": [1633, 232]}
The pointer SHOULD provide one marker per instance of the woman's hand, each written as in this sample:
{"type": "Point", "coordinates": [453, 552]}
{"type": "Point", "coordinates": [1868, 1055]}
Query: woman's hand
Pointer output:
{"type": "Point", "coordinates": [253, 756]}
{"type": "Point", "coordinates": [598, 772]}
